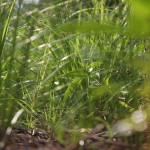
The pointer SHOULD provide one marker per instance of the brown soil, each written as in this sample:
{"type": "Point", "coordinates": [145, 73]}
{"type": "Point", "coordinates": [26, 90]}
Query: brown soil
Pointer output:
{"type": "Point", "coordinates": [21, 139]}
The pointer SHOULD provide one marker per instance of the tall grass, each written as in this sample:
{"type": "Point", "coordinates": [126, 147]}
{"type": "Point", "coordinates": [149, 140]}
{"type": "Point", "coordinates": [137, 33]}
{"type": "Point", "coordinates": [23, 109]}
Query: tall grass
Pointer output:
{"type": "Point", "coordinates": [69, 66]}
{"type": "Point", "coordinates": [7, 100]}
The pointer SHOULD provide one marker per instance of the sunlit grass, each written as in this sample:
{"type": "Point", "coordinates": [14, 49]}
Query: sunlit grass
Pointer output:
{"type": "Point", "coordinates": [70, 65]}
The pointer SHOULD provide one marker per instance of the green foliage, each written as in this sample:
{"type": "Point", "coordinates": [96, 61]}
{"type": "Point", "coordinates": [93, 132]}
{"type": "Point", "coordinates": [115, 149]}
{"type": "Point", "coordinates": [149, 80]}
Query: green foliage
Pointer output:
{"type": "Point", "coordinates": [71, 65]}
{"type": "Point", "coordinates": [6, 107]}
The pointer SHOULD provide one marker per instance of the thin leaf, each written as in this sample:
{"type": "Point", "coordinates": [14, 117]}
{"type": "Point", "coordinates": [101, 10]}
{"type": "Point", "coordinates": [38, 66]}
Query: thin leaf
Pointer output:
{"type": "Point", "coordinates": [72, 87]}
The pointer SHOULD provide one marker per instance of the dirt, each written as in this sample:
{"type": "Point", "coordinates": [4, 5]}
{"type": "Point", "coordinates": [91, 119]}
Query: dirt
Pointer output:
{"type": "Point", "coordinates": [95, 139]}
{"type": "Point", "coordinates": [21, 139]}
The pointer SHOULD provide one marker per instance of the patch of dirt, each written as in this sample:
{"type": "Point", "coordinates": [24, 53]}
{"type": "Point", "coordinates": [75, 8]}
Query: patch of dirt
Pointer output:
{"type": "Point", "coordinates": [95, 139]}
{"type": "Point", "coordinates": [21, 139]}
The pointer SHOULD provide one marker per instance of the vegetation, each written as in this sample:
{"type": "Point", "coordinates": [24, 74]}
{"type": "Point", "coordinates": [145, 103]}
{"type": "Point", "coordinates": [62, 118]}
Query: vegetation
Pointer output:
{"type": "Point", "coordinates": [73, 64]}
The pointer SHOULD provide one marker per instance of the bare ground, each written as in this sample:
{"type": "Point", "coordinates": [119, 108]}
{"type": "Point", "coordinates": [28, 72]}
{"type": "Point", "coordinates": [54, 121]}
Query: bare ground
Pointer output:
{"type": "Point", "coordinates": [21, 139]}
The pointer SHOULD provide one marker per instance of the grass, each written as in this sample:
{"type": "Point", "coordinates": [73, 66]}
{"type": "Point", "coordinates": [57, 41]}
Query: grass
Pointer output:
{"type": "Point", "coordinates": [71, 65]}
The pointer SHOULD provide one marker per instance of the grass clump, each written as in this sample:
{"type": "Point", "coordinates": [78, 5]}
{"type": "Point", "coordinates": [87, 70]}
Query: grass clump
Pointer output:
{"type": "Point", "coordinates": [70, 65]}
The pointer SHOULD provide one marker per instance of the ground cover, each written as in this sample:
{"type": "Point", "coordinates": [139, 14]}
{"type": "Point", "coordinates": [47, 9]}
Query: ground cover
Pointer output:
{"type": "Point", "coordinates": [70, 66]}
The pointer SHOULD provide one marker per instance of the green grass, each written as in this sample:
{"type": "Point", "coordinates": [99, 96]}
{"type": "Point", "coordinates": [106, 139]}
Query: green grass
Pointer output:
{"type": "Point", "coordinates": [71, 65]}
